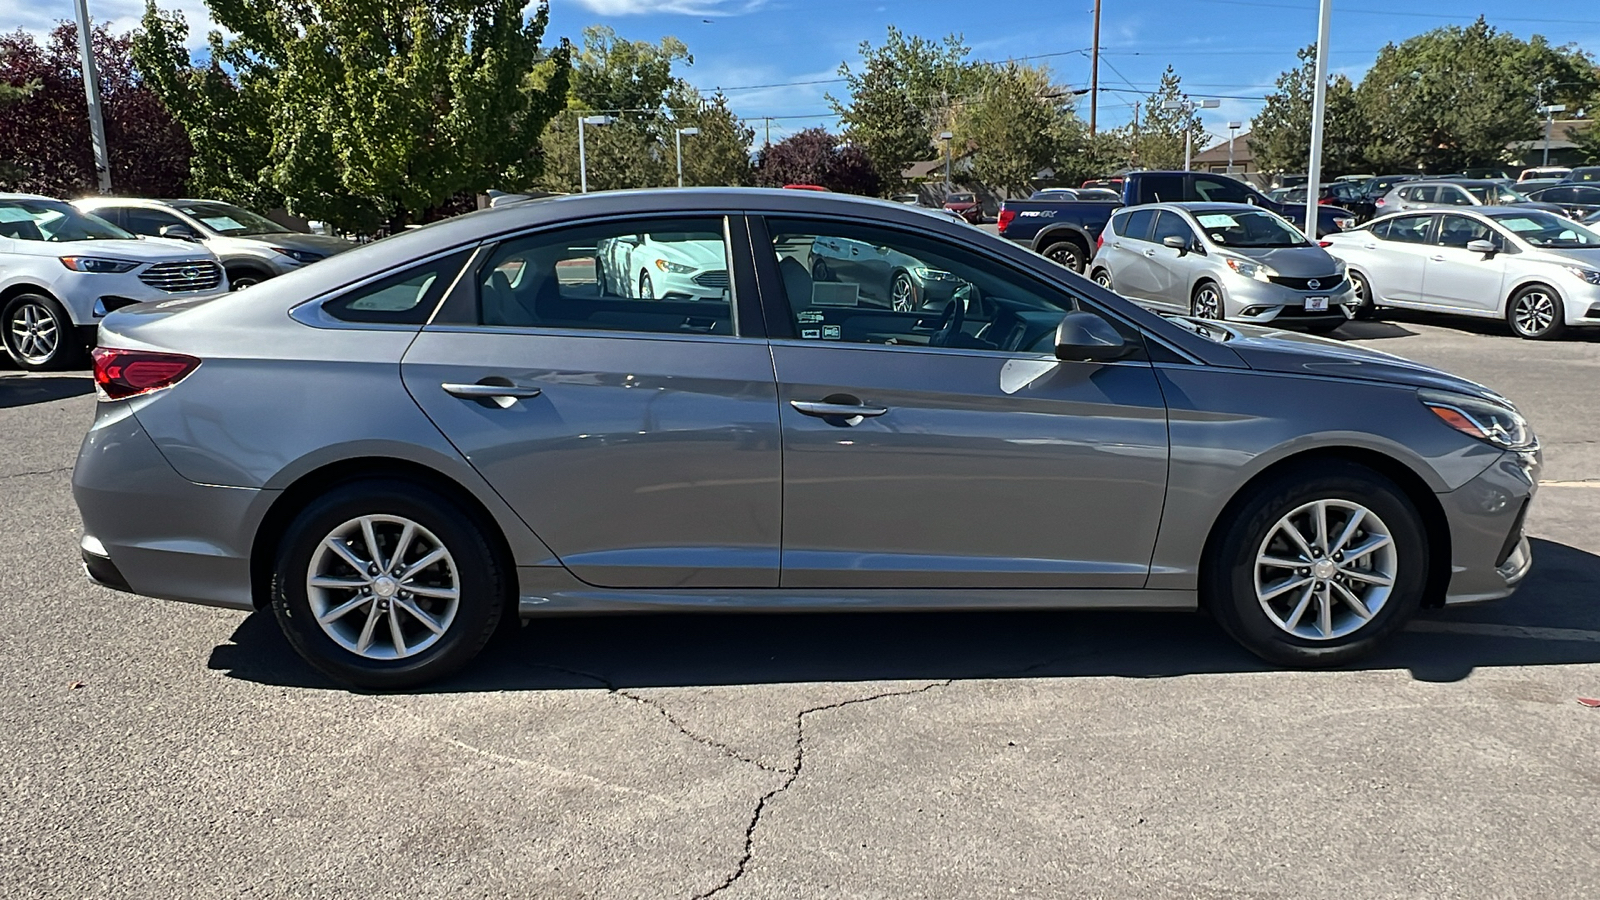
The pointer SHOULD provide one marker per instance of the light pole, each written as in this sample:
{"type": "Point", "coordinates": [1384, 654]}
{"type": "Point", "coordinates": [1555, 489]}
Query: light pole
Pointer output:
{"type": "Point", "coordinates": [1319, 109]}
{"type": "Point", "coordinates": [1233, 132]}
{"type": "Point", "coordinates": [1550, 111]}
{"type": "Point", "coordinates": [1188, 107]}
{"type": "Point", "coordinates": [583, 160]}
{"type": "Point", "coordinates": [677, 140]}
{"type": "Point", "coordinates": [947, 137]}
{"type": "Point", "coordinates": [91, 90]}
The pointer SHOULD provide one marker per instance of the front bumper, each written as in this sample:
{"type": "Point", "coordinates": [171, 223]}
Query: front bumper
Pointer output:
{"type": "Point", "coordinates": [1490, 554]}
{"type": "Point", "coordinates": [1260, 302]}
{"type": "Point", "coordinates": [671, 286]}
{"type": "Point", "coordinates": [90, 296]}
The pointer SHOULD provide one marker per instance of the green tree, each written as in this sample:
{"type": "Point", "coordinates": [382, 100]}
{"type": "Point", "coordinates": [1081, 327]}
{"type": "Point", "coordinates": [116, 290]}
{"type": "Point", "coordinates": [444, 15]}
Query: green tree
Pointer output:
{"type": "Point", "coordinates": [903, 94]}
{"type": "Point", "coordinates": [1454, 97]}
{"type": "Point", "coordinates": [379, 111]}
{"type": "Point", "coordinates": [1018, 125]}
{"type": "Point", "coordinates": [1280, 135]}
{"type": "Point", "coordinates": [1158, 141]}
{"type": "Point", "coordinates": [720, 153]}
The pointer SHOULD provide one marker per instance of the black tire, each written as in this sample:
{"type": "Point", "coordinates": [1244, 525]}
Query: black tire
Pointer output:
{"type": "Point", "coordinates": [820, 270]}
{"type": "Point", "coordinates": [1200, 307]}
{"type": "Point", "coordinates": [239, 279]}
{"type": "Point", "coordinates": [647, 290]}
{"type": "Point", "coordinates": [39, 335]}
{"type": "Point", "coordinates": [483, 584]}
{"type": "Point", "coordinates": [1368, 308]}
{"type": "Point", "coordinates": [1066, 252]}
{"type": "Point", "coordinates": [903, 296]}
{"type": "Point", "coordinates": [1228, 574]}
{"type": "Point", "coordinates": [1102, 277]}
{"type": "Point", "coordinates": [1534, 313]}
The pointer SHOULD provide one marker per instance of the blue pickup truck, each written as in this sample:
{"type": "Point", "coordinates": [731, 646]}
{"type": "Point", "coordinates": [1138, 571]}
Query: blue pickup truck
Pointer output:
{"type": "Point", "coordinates": [1068, 231]}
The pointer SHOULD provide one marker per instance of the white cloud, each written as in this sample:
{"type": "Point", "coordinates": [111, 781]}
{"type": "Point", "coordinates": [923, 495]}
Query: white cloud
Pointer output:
{"type": "Point", "coordinates": [671, 7]}
{"type": "Point", "coordinates": [120, 15]}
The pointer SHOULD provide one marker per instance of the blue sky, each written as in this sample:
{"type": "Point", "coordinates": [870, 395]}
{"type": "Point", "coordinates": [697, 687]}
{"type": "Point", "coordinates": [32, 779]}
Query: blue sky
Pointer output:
{"type": "Point", "coordinates": [1231, 49]}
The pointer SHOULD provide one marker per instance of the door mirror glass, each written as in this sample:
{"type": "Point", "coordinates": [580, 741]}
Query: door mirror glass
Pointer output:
{"type": "Point", "coordinates": [1480, 245]}
{"type": "Point", "coordinates": [1085, 337]}
{"type": "Point", "coordinates": [179, 232]}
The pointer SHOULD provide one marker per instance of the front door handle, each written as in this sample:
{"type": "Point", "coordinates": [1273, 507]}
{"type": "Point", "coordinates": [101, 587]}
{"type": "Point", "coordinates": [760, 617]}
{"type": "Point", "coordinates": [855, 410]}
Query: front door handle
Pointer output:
{"type": "Point", "coordinates": [1150, 253]}
{"type": "Point", "coordinates": [497, 391]}
{"type": "Point", "coordinates": [825, 410]}
{"type": "Point", "coordinates": [1436, 258]}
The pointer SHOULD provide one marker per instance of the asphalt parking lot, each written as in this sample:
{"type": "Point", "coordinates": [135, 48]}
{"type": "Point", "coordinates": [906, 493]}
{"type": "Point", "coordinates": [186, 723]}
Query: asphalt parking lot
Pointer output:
{"type": "Point", "coordinates": [152, 749]}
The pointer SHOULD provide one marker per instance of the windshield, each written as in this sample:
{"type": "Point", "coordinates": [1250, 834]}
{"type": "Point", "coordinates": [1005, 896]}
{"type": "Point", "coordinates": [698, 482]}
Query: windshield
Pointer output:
{"type": "Point", "coordinates": [49, 220]}
{"type": "Point", "coordinates": [1252, 228]}
{"type": "Point", "coordinates": [1542, 229]}
{"type": "Point", "coordinates": [225, 218]}
{"type": "Point", "coordinates": [1494, 194]}
{"type": "Point", "coordinates": [960, 198]}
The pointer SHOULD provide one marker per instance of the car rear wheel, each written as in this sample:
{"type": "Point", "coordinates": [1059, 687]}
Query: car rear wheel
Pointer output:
{"type": "Point", "coordinates": [1067, 253]}
{"type": "Point", "coordinates": [1103, 278]}
{"type": "Point", "coordinates": [384, 584]}
{"type": "Point", "coordinates": [1206, 302]}
{"type": "Point", "coordinates": [38, 333]}
{"type": "Point", "coordinates": [244, 278]}
{"type": "Point", "coordinates": [1318, 566]}
{"type": "Point", "coordinates": [1367, 308]}
{"type": "Point", "coordinates": [1535, 313]}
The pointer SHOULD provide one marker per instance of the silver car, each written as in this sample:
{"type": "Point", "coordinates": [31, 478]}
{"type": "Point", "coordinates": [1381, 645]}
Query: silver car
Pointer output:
{"type": "Point", "coordinates": [1228, 261]}
{"type": "Point", "coordinates": [252, 248]}
{"type": "Point", "coordinates": [399, 448]}
{"type": "Point", "coordinates": [1538, 271]}
{"type": "Point", "coordinates": [1454, 194]}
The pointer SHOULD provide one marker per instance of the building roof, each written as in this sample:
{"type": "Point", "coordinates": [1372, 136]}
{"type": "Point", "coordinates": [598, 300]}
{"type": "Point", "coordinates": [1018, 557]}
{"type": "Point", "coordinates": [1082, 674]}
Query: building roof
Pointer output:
{"type": "Point", "coordinates": [1219, 152]}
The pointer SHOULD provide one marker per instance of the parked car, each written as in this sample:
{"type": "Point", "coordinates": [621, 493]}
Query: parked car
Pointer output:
{"type": "Point", "coordinates": [252, 248]}
{"type": "Point", "coordinates": [1435, 194]}
{"type": "Point", "coordinates": [1583, 174]}
{"type": "Point", "coordinates": [907, 199]}
{"type": "Point", "coordinates": [1223, 261]}
{"type": "Point", "coordinates": [663, 265]}
{"type": "Point", "coordinates": [878, 275]}
{"type": "Point", "coordinates": [1059, 193]}
{"type": "Point", "coordinates": [476, 452]}
{"type": "Point", "coordinates": [1544, 172]}
{"type": "Point", "coordinates": [967, 204]}
{"type": "Point", "coordinates": [61, 271]}
{"type": "Point", "coordinates": [1575, 199]}
{"type": "Point", "coordinates": [1533, 184]}
{"type": "Point", "coordinates": [1373, 188]}
{"type": "Point", "coordinates": [1538, 271]}
{"type": "Point", "coordinates": [1346, 194]}
{"type": "Point", "coordinates": [1066, 231]}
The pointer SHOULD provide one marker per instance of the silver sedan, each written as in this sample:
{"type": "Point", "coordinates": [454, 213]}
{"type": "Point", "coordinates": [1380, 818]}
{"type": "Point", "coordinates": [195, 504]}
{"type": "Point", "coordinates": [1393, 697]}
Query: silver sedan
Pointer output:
{"type": "Point", "coordinates": [401, 447]}
{"type": "Point", "coordinates": [1537, 271]}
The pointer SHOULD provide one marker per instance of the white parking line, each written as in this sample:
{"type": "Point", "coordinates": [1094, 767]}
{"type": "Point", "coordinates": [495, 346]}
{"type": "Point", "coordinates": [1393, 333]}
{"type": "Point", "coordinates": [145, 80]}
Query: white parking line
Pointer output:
{"type": "Point", "coordinates": [1571, 484]}
{"type": "Point", "coordinates": [1484, 629]}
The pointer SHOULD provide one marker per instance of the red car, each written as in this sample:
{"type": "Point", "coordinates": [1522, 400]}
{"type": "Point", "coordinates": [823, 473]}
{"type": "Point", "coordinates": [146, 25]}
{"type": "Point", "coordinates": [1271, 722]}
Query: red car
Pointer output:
{"type": "Point", "coordinates": [804, 187]}
{"type": "Point", "coordinates": [965, 205]}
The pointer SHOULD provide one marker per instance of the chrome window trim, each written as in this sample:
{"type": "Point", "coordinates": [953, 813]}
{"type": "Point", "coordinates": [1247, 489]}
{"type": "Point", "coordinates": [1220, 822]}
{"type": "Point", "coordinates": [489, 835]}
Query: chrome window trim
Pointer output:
{"type": "Point", "coordinates": [542, 331]}
{"type": "Point", "coordinates": [310, 312]}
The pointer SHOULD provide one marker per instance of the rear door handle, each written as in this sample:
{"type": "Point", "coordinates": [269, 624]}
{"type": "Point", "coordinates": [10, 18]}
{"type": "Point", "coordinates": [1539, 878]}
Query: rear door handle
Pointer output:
{"type": "Point", "coordinates": [1150, 253]}
{"type": "Point", "coordinates": [1436, 258]}
{"type": "Point", "coordinates": [1369, 246]}
{"type": "Point", "coordinates": [501, 395]}
{"type": "Point", "coordinates": [823, 409]}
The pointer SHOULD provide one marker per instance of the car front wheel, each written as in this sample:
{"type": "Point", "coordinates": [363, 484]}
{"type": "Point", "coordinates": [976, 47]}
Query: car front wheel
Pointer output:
{"type": "Point", "coordinates": [1318, 565]}
{"type": "Point", "coordinates": [38, 333]}
{"type": "Point", "coordinates": [385, 584]}
{"type": "Point", "coordinates": [1535, 313]}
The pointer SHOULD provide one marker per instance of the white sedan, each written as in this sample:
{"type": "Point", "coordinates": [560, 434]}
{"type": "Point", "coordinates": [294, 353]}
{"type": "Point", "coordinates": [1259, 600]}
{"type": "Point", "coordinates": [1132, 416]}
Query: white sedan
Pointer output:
{"type": "Point", "coordinates": [1538, 271]}
{"type": "Point", "coordinates": [664, 266]}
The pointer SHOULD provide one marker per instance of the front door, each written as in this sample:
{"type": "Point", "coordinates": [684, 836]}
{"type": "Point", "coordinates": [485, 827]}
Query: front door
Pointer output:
{"type": "Point", "coordinates": [637, 438]}
{"type": "Point", "coordinates": [948, 447]}
{"type": "Point", "coordinates": [1460, 279]}
{"type": "Point", "coordinates": [1173, 269]}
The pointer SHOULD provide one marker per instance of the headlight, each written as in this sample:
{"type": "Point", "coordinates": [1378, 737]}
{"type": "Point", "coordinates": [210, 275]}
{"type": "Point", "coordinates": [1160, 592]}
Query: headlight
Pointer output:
{"type": "Point", "coordinates": [1339, 266]}
{"type": "Point", "coordinates": [1590, 275]}
{"type": "Point", "coordinates": [300, 256]}
{"type": "Point", "coordinates": [1486, 420]}
{"type": "Point", "coordinates": [99, 266]}
{"type": "Point", "coordinates": [932, 274]}
{"type": "Point", "coordinates": [1248, 269]}
{"type": "Point", "coordinates": [675, 268]}
{"type": "Point", "coordinates": [1344, 224]}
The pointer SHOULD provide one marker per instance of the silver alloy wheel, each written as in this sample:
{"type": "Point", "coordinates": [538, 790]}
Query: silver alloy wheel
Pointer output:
{"type": "Point", "coordinates": [1207, 303]}
{"type": "Point", "coordinates": [1326, 569]}
{"type": "Point", "coordinates": [242, 282]}
{"type": "Point", "coordinates": [1359, 286]}
{"type": "Point", "coordinates": [1103, 278]}
{"type": "Point", "coordinates": [34, 333]}
{"type": "Point", "coordinates": [383, 587]}
{"type": "Point", "coordinates": [903, 294]}
{"type": "Point", "coordinates": [1535, 312]}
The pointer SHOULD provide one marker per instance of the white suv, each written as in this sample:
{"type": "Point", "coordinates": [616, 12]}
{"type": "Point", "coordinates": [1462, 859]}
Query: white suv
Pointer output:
{"type": "Point", "coordinates": [61, 271]}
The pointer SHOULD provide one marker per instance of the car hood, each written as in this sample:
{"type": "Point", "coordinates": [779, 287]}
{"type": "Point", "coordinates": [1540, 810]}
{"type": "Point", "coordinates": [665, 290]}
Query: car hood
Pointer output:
{"type": "Point", "coordinates": [1268, 349]}
{"type": "Point", "coordinates": [146, 250]}
{"type": "Point", "coordinates": [1293, 262]}
{"type": "Point", "coordinates": [700, 254]}
{"type": "Point", "coordinates": [311, 243]}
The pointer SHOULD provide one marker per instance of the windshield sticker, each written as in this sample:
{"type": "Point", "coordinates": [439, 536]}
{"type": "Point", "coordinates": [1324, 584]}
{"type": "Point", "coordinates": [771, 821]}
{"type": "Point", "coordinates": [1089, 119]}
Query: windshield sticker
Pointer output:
{"type": "Point", "coordinates": [1521, 224]}
{"type": "Point", "coordinates": [221, 223]}
{"type": "Point", "coordinates": [810, 334]}
{"type": "Point", "coordinates": [809, 316]}
{"type": "Point", "coordinates": [15, 214]}
{"type": "Point", "coordinates": [1218, 220]}
{"type": "Point", "coordinates": [830, 332]}
{"type": "Point", "coordinates": [835, 293]}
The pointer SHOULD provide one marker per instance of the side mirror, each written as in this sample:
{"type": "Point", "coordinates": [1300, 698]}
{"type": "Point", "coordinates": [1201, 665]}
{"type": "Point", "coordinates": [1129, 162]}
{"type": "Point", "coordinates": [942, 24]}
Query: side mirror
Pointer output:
{"type": "Point", "coordinates": [179, 233]}
{"type": "Point", "coordinates": [1085, 337]}
{"type": "Point", "coordinates": [1177, 243]}
{"type": "Point", "coordinates": [1480, 245]}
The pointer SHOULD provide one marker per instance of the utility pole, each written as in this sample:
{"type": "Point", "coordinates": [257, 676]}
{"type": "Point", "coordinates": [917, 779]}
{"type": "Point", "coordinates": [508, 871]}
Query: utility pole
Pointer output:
{"type": "Point", "coordinates": [1233, 132]}
{"type": "Point", "coordinates": [1319, 109]}
{"type": "Point", "coordinates": [677, 140]}
{"type": "Point", "coordinates": [1094, 74]}
{"type": "Point", "coordinates": [91, 90]}
{"type": "Point", "coordinates": [583, 159]}
{"type": "Point", "coordinates": [769, 131]}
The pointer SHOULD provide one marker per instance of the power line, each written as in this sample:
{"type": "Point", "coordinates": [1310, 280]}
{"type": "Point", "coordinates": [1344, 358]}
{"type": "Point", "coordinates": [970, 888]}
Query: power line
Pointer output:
{"type": "Point", "coordinates": [1395, 12]}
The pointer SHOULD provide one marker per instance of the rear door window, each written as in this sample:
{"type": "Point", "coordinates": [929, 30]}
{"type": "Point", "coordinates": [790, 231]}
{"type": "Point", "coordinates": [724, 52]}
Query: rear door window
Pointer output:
{"type": "Point", "coordinates": [1410, 229]}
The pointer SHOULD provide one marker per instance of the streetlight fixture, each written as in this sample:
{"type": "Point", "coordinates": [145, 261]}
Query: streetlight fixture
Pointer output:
{"type": "Point", "coordinates": [947, 137]}
{"type": "Point", "coordinates": [583, 160]}
{"type": "Point", "coordinates": [1188, 107]}
{"type": "Point", "coordinates": [1233, 132]}
{"type": "Point", "coordinates": [1549, 111]}
{"type": "Point", "coordinates": [677, 140]}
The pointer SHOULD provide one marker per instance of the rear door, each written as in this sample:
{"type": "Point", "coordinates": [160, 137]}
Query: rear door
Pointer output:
{"type": "Point", "coordinates": [950, 448]}
{"type": "Point", "coordinates": [1132, 267]}
{"type": "Point", "coordinates": [638, 438]}
{"type": "Point", "coordinates": [1395, 266]}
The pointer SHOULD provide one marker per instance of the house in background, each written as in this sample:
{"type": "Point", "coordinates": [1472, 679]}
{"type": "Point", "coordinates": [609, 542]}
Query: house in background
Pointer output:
{"type": "Point", "coordinates": [1563, 148]}
{"type": "Point", "coordinates": [1215, 158]}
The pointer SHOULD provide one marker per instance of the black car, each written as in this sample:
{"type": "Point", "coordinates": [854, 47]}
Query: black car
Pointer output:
{"type": "Point", "coordinates": [1578, 200]}
{"type": "Point", "coordinates": [1582, 174]}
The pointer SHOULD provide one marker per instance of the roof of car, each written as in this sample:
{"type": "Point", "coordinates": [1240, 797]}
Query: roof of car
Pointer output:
{"type": "Point", "coordinates": [1196, 206]}
{"type": "Point", "coordinates": [24, 197]}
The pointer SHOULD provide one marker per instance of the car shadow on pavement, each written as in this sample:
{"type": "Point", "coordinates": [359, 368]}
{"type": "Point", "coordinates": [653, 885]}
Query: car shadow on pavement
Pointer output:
{"type": "Point", "coordinates": [1552, 620]}
{"type": "Point", "coordinates": [1369, 330]}
{"type": "Point", "coordinates": [1396, 319]}
{"type": "Point", "coordinates": [18, 390]}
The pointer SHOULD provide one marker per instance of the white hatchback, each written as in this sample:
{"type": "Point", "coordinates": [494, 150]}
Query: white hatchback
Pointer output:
{"type": "Point", "coordinates": [62, 270]}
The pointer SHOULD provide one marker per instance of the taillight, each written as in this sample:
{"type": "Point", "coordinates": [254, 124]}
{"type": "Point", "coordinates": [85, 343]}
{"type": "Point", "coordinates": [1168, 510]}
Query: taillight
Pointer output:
{"type": "Point", "coordinates": [1324, 243]}
{"type": "Point", "coordinates": [119, 374]}
{"type": "Point", "coordinates": [1006, 215]}
{"type": "Point", "coordinates": [1099, 240]}
{"type": "Point", "coordinates": [1378, 202]}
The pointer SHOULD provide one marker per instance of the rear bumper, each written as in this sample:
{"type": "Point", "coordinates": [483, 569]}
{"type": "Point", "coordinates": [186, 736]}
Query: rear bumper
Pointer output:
{"type": "Point", "coordinates": [148, 530]}
{"type": "Point", "coordinates": [1490, 554]}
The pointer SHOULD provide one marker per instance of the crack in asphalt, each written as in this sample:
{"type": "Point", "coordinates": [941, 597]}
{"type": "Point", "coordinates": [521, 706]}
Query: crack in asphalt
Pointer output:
{"type": "Point", "coordinates": [40, 472]}
{"type": "Point", "coordinates": [794, 775]}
